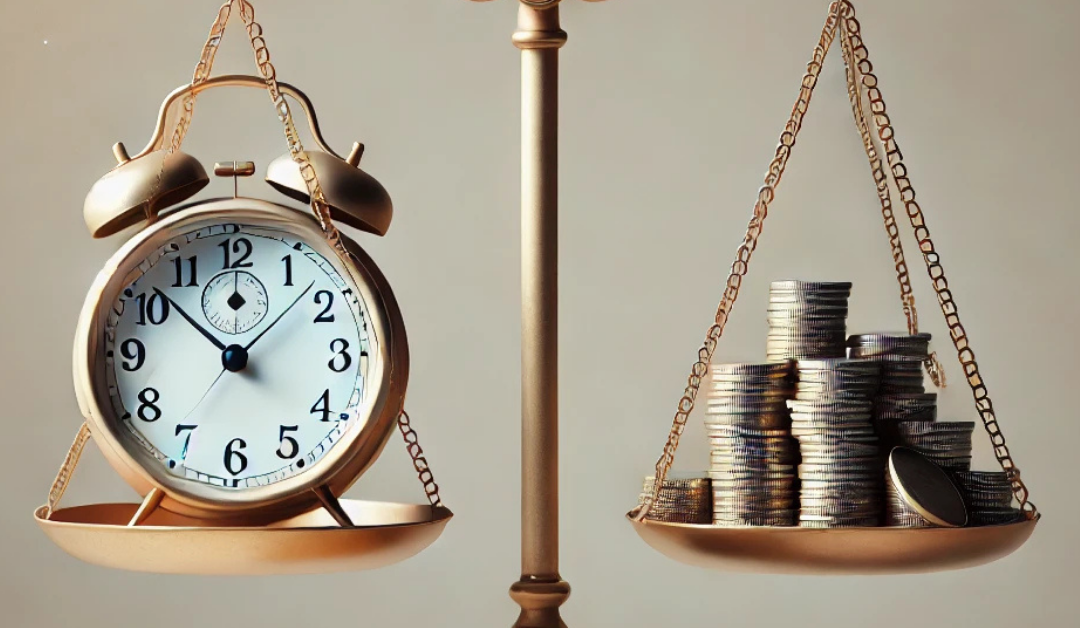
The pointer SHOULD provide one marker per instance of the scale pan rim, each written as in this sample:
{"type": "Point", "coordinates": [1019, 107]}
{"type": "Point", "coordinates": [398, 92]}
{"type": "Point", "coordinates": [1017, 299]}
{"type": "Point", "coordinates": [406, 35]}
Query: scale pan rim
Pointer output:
{"type": "Point", "coordinates": [833, 551]}
{"type": "Point", "coordinates": [386, 533]}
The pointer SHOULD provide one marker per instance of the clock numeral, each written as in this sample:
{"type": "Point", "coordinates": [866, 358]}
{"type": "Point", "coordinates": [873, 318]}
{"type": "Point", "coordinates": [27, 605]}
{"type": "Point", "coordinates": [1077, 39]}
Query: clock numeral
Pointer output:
{"type": "Point", "coordinates": [154, 310]}
{"type": "Point", "coordinates": [294, 447]}
{"type": "Point", "coordinates": [325, 316]}
{"type": "Point", "coordinates": [235, 462]}
{"type": "Point", "coordinates": [241, 247]}
{"type": "Point", "coordinates": [187, 441]}
{"type": "Point", "coordinates": [133, 349]}
{"type": "Point", "coordinates": [322, 406]}
{"type": "Point", "coordinates": [343, 353]}
{"type": "Point", "coordinates": [148, 410]}
{"type": "Point", "coordinates": [178, 266]}
{"type": "Point", "coordinates": [288, 269]}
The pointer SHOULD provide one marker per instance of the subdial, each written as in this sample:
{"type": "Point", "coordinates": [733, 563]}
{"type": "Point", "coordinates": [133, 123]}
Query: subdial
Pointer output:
{"type": "Point", "coordinates": [235, 301]}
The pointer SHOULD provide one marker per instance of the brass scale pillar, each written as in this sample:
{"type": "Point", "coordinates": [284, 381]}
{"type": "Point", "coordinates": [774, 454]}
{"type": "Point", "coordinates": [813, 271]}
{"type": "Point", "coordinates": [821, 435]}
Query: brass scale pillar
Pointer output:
{"type": "Point", "coordinates": [541, 590]}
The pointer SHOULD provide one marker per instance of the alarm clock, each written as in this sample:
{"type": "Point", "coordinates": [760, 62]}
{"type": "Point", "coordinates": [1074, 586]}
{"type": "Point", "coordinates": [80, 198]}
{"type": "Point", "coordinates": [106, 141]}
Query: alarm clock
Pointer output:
{"type": "Point", "coordinates": [233, 363]}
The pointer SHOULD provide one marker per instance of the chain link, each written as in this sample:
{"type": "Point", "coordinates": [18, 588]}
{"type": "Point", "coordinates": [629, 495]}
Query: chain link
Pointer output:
{"type": "Point", "coordinates": [850, 29]}
{"type": "Point", "coordinates": [881, 181]}
{"type": "Point", "coordinates": [842, 16]}
{"type": "Point", "coordinates": [742, 260]}
{"type": "Point", "coordinates": [67, 469]}
{"type": "Point", "coordinates": [420, 463]}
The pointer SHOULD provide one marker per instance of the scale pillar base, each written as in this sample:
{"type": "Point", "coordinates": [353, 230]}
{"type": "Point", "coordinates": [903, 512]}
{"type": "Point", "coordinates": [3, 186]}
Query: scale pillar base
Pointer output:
{"type": "Point", "coordinates": [540, 601]}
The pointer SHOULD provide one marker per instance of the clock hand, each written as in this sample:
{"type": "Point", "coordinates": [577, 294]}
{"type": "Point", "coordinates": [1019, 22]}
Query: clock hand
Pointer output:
{"type": "Point", "coordinates": [280, 316]}
{"type": "Point", "coordinates": [217, 343]}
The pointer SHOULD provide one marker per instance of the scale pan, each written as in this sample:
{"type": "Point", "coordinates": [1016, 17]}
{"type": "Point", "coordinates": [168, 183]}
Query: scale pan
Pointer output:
{"type": "Point", "coordinates": [834, 551]}
{"type": "Point", "coordinates": [385, 533]}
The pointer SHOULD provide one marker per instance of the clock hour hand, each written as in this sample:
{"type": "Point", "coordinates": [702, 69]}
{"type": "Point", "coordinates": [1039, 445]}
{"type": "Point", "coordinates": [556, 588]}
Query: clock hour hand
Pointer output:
{"type": "Point", "coordinates": [217, 343]}
{"type": "Point", "coordinates": [279, 317]}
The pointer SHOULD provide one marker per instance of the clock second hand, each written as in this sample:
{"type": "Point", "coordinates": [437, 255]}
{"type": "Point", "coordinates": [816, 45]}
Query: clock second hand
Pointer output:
{"type": "Point", "coordinates": [195, 407]}
{"type": "Point", "coordinates": [280, 316]}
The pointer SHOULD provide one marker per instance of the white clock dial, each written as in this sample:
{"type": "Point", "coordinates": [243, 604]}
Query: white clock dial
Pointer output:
{"type": "Point", "coordinates": [237, 356]}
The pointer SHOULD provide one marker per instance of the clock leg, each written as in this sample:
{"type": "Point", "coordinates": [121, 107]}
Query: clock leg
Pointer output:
{"type": "Point", "coordinates": [147, 507]}
{"type": "Point", "coordinates": [333, 506]}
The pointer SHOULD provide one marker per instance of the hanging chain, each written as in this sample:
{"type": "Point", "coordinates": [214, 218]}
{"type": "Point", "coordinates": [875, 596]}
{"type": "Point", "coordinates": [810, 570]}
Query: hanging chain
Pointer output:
{"type": "Point", "coordinates": [319, 205]}
{"type": "Point", "coordinates": [850, 28]}
{"type": "Point", "coordinates": [420, 463]}
{"type": "Point", "coordinates": [881, 181]}
{"type": "Point", "coordinates": [742, 261]}
{"type": "Point", "coordinates": [67, 469]}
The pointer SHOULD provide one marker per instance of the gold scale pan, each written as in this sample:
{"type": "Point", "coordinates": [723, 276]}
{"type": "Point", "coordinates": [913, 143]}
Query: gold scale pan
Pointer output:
{"type": "Point", "coordinates": [768, 549]}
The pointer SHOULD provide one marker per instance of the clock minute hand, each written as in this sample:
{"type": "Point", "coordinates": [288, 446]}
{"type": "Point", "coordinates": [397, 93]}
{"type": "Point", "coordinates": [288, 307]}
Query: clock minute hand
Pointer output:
{"type": "Point", "coordinates": [217, 343]}
{"type": "Point", "coordinates": [279, 317]}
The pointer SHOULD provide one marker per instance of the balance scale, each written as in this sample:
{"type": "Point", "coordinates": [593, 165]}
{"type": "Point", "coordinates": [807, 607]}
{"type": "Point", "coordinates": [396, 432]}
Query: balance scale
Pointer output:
{"type": "Point", "coordinates": [274, 304]}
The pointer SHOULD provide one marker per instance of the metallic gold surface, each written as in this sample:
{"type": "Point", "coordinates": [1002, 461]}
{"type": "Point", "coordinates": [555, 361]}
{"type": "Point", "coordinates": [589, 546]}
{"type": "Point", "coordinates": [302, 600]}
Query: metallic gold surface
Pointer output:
{"type": "Point", "coordinates": [540, 591]}
{"type": "Point", "coordinates": [355, 197]}
{"type": "Point", "coordinates": [538, 31]}
{"type": "Point", "coordinates": [234, 168]}
{"type": "Point", "coordinates": [149, 504]}
{"type": "Point", "coordinates": [167, 113]}
{"type": "Point", "coordinates": [385, 533]}
{"type": "Point", "coordinates": [131, 192]}
{"type": "Point", "coordinates": [833, 551]}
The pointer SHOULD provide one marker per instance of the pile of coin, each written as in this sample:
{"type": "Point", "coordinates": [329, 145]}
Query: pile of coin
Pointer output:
{"type": "Point", "coordinates": [910, 406]}
{"type": "Point", "coordinates": [807, 320]}
{"type": "Point", "coordinates": [841, 469]}
{"type": "Point", "coordinates": [682, 499]}
{"type": "Point", "coordinates": [878, 345]}
{"type": "Point", "coordinates": [947, 443]}
{"type": "Point", "coordinates": [752, 457]}
{"type": "Point", "coordinates": [988, 497]}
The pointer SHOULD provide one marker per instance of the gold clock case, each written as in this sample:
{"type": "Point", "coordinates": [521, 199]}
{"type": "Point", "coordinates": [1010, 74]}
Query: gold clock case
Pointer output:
{"type": "Point", "coordinates": [140, 187]}
{"type": "Point", "coordinates": [338, 469]}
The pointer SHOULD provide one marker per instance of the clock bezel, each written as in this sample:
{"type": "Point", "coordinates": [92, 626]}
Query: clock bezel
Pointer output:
{"type": "Point", "coordinates": [339, 468]}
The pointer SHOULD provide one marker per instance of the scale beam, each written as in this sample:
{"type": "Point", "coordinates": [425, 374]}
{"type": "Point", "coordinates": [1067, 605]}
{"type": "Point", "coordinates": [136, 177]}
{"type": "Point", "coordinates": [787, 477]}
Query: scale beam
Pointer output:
{"type": "Point", "coordinates": [541, 590]}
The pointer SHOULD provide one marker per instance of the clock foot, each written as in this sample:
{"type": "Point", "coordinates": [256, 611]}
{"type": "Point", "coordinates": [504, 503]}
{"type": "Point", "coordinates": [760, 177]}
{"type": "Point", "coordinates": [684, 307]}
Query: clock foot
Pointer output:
{"type": "Point", "coordinates": [333, 506]}
{"type": "Point", "coordinates": [147, 507]}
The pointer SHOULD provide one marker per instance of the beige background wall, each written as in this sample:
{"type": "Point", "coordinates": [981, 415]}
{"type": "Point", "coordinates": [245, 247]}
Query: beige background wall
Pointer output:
{"type": "Point", "coordinates": [671, 111]}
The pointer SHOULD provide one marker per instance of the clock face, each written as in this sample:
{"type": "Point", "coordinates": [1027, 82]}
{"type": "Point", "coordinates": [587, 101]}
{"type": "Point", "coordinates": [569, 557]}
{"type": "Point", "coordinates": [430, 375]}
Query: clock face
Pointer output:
{"type": "Point", "coordinates": [237, 356]}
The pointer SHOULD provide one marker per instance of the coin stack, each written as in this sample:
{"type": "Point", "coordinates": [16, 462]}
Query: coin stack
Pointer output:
{"type": "Point", "coordinates": [909, 406]}
{"type": "Point", "coordinates": [682, 499]}
{"type": "Point", "coordinates": [988, 497]}
{"type": "Point", "coordinates": [841, 470]}
{"type": "Point", "coordinates": [882, 345]}
{"type": "Point", "coordinates": [902, 395]}
{"type": "Point", "coordinates": [807, 320]}
{"type": "Point", "coordinates": [947, 443]}
{"type": "Point", "coordinates": [753, 457]}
